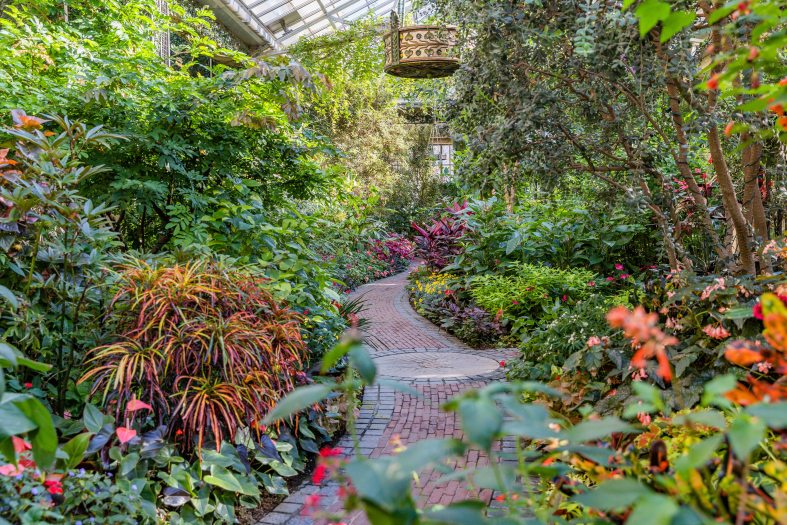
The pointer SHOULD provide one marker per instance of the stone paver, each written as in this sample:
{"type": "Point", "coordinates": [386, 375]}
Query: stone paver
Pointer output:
{"type": "Point", "coordinates": [411, 350]}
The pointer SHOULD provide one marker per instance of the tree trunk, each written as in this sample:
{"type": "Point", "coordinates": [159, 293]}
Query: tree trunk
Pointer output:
{"type": "Point", "coordinates": [729, 197]}
{"type": "Point", "coordinates": [682, 162]}
{"type": "Point", "coordinates": [753, 208]}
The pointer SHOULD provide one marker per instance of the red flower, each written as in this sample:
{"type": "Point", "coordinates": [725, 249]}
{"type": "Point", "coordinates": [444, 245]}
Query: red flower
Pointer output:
{"type": "Point", "coordinates": [28, 385]}
{"type": "Point", "coordinates": [502, 364]}
{"type": "Point", "coordinates": [713, 82]}
{"type": "Point", "coordinates": [564, 298]}
{"type": "Point", "coordinates": [757, 308]}
{"type": "Point", "coordinates": [53, 486]}
{"type": "Point", "coordinates": [319, 474]}
{"type": "Point", "coordinates": [328, 452]}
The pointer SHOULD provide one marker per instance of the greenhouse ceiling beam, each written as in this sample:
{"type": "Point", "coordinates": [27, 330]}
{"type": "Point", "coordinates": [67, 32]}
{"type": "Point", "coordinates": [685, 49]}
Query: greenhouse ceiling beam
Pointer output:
{"type": "Point", "coordinates": [243, 23]}
{"type": "Point", "coordinates": [325, 12]}
{"type": "Point", "coordinates": [304, 26]}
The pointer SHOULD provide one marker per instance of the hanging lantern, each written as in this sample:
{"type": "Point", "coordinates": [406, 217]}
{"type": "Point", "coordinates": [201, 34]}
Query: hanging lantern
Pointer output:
{"type": "Point", "coordinates": [420, 51]}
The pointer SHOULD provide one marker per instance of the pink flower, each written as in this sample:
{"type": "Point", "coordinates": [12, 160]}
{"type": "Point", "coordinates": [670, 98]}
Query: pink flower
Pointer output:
{"type": "Point", "coordinates": [618, 266]}
{"type": "Point", "coordinates": [624, 276]}
{"type": "Point", "coordinates": [593, 341]}
{"type": "Point", "coordinates": [764, 367]}
{"type": "Point", "coordinates": [644, 418]}
{"type": "Point", "coordinates": [11, 470]}
{"type": "Point", "coordinates": [718, 284]}
{"type": "Point", "coordinates": [592, 284]}
{"type": "Point", "coordinates": [564, 298]}
{"type": "Point", "coordinates": [610, 279]}
{"type": "Point", "coordinates": [716, 332]}
{"type": "Point", "coordinates": [310, 503]}
{"type": "Point", "coordinates": [136, 404]}
{"type": "Point", "coordinates": [125, 434]}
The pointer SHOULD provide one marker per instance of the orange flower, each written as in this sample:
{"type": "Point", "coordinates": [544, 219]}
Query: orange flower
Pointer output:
{"type": "Point", "coordinates": [24, 121]}
{"type": "Point", "coordinates": [728, 128]}
{"type": "Point", "coordinates": [646, 337]}
{"type": "Point", "coordinates": [713, 82]}
{"type": "Point", "coordinates": [740, 354]}
{"type": "Point", "coordinates": [778, 109]}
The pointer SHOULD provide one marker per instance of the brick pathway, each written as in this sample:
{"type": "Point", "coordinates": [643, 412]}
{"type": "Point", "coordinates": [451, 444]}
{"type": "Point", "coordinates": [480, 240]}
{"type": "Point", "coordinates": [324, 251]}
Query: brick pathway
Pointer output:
{"type": "Point", "coordinates": [410, 349]}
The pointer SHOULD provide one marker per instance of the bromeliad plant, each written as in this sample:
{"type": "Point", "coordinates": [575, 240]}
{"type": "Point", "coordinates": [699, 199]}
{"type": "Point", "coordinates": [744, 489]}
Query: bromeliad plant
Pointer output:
{"type": "Point", "coordinates": [208, 348]}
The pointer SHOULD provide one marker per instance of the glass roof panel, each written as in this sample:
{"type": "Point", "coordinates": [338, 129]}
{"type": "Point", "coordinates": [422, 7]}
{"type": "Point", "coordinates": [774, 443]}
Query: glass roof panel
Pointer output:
{"type": "Point", "coordinates": [279, 23]}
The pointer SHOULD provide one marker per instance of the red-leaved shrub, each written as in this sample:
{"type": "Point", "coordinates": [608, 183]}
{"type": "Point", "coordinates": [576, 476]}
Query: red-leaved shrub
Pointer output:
{"type": "Point", "coordinates": [207, 347]}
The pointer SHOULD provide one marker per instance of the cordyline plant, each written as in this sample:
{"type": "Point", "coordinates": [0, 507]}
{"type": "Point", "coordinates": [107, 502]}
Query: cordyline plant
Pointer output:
{"type": "Point", "coordinates": [439, 243]}
{"type": "Point", "coordinates": [207, 347]}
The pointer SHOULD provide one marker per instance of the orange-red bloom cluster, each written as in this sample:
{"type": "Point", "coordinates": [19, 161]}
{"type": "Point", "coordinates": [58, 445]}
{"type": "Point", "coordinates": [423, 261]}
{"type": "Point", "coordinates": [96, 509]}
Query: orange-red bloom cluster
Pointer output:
{"type": "Point", "coordinates": [646, 337]}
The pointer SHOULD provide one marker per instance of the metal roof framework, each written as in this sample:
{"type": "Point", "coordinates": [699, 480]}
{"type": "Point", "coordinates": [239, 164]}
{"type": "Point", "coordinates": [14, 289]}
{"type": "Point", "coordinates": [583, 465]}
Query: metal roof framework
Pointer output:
{"type": "Point", "coordinates": [276, 24]}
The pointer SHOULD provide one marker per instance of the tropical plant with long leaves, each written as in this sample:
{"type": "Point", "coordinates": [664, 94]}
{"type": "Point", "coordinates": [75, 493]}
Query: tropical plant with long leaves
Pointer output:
{"type": "Point", "coordinates": [208, 348]}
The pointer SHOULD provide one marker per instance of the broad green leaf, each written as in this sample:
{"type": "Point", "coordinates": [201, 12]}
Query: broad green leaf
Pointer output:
{"type": "Point", "coordinates": [716, 388]}
{"type": "Point", "coordinates": [742, 312]}
{"type": "Point", "coordinates": [650, 13]}
{"type": "Point", "coordinates": [654, 509]}
{"type": "Point", "coordinates": [336, 353]}
{"type": "Point", "coordinates": [613, 494]}
{"type": "Point", "coordinates": [8, 355]}
{"type": "Point", "coordinates": [14, 421]}
{"type": "Point", "coordinates": [745, 435]}
{"type": "Point", "coordinates": [481, 420]}
{"type": "Point", "coordinates": [722, 12]}
{"type": "Point", "coordinates": [93, 418]}
{"type": "Point", "coordinates": [592, 430]}
{"type": "Point", "coordinates": [362, 362]}
{"type": "Point", "coordinates": [699, 454]}
{"type": "Point", "coordinates": [773, 414]}
{"type": "Point", "coordinates": [299, 399]}
{"type": "Point", "coordinates": [461, 513]}
{"type": "Point", "coordinates": [223, 478]}
{"type": "Point", "coordinates": [44, 437]}
{"type": "Point", "coordinates": [675, 22]}
{"type": "Point", "coordinates": [75, 448]}
{"type": "Point", "coordinates": [708, 417]}
{"type": "Point", "coordinates": [9, 296]}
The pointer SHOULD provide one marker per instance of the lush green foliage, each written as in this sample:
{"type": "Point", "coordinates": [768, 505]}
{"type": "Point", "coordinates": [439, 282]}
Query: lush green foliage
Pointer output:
{"type": "Point", "coordinates": [440, 298]}
{"type": "Point", "coordinates": [716, 463]}
{"type": "Point", "coordinates": [530, 294]}
{"type": "Point", "coordinates": [53, 247]}
{"type": "Point", "coordinates": [573, 95]}
{"type": "Point", "coordinates": [563, 232]}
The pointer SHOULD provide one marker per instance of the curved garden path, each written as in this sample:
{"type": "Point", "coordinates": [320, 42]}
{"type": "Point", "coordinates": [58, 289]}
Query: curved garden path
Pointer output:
{"type": "Point", "coordinates": [407, 348]}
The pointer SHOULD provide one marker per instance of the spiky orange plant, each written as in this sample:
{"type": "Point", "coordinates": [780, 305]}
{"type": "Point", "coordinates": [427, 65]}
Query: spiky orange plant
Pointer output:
{"type": "Point", "coordinates": [767, 363]}
{"type": "Point", "coordinates": [207, 347]}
